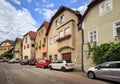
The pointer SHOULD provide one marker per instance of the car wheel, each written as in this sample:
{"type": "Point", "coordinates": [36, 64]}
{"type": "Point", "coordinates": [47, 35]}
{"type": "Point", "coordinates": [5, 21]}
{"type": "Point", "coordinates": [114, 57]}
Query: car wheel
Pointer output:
{"type": "Point", "coordinates": [91, 75]}
{"type": "Point", "coordinates": [63, 69]}
{"type": "Point", "coordinates": [51, 68]}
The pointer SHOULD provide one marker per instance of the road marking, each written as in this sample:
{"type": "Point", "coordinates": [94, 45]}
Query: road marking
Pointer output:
{"type": "Point", "coordinates": [8, 77]}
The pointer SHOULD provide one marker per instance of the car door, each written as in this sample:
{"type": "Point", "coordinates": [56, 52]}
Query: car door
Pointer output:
{"type": "Point", "coordinates": [115, 68]}
{"type": "Point", "coordinates": [59, 64]}
{"type": "Point", "coordinates": [104, 71]}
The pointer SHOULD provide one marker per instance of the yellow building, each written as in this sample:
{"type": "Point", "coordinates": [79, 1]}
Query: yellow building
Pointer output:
{"type": "Point", "coordinates": [101, 24]}
{"type": "Point", "coordinates": [64, 38]}
{"type": "Point", "coordinates": [18, 48]}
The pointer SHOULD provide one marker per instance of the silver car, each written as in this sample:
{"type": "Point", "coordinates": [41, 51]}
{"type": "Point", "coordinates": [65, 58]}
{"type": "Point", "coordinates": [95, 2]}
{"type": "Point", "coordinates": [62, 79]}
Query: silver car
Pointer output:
{"type": "Point", "coordinates": [107, 70]}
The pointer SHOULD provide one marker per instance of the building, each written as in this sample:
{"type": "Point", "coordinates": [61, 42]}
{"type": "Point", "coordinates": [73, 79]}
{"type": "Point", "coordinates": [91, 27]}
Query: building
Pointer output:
{"type": "Point", "coordinates": [101, 24]}
{"type": "Point", "coordinates": [6, 46]}
{"type": "Point", "coordinates": [64, 38]}
{"type": "Point", "coordinates": [41, 41]}
{"type": "Point", "coordinates": [18, 46]}
{"type": "Point", "coordinates": [29, 45]}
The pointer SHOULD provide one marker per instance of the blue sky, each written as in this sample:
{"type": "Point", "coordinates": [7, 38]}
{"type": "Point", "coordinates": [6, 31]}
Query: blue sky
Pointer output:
{"type": "Point", "coordinates": [17, 17]}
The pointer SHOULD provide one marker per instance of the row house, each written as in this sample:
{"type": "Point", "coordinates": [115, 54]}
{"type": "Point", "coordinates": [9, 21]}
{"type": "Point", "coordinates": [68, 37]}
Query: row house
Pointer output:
{"type": "Point", "coordinates": [6, 46]}
{"type": "Point", "coordinates": [41, 41]}
{"type": "Point", "coordinates": [101, 24]}
{"type": "Point", "coordinates": [29, 45]}
{"type": "Point", "coordinates": [64, 38]}
{"type": "Point", "coordinates": [18, 48]}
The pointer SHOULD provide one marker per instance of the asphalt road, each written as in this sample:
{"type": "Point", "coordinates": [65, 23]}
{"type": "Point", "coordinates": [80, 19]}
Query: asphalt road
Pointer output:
{"type": "Point", "coordinates": [25, 74]}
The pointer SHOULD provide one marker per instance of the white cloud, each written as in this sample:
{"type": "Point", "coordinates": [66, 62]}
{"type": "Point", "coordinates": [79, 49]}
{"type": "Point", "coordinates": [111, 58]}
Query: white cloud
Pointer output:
{"type": "Point", "coordinates": [81, 8]}
{"type": "Point", "coordinates": [29, 1]}
{"type": "Point", "coordinates": [50, 5]}
{"type": "Point", "coordinates": [17, 2]}
{"type": "Point", "coordinates": [14, 23]}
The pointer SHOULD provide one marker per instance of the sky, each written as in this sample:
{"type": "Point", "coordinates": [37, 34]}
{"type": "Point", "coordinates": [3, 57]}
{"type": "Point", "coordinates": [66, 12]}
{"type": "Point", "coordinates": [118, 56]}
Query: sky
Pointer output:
{"type": "Point", "coordinates": [17, 17]}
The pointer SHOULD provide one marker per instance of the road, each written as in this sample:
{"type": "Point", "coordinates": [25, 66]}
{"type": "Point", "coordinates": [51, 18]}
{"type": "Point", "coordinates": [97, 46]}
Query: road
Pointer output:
{"type": "Point", "coordinates": [25, 74]}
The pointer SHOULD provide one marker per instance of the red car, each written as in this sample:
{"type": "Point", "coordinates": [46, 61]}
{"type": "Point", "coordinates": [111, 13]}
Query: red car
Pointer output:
{"type": "Point", "coordinates": [42, 63]}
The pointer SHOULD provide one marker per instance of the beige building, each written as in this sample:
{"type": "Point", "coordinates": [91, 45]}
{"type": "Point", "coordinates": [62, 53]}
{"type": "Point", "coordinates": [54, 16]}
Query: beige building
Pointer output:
{"type": "Point", "coordinates": [6, 46]}
{"type": "Point", "coordinates": [18, 46]}
{"type": "Point", "coordinates": [101, 24]}
{"type": "Point", "coordinates": [29, 45]}
{"type": "Point", "coordinates": [64, 38]}
{"type": "Point", "coordinates": [41, 41]}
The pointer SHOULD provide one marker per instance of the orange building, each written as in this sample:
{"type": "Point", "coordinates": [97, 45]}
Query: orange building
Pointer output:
{"type": "Point", "coordinates": [41, 41]}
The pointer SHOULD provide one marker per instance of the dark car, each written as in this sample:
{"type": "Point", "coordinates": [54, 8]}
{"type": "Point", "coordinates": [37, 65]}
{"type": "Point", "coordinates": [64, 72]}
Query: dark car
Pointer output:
{"type": "Point", "coordinates": [32, 61]}
{"type": "Point", "coordinates": [1, 59]}
{"type": "Point", "coordinates": [24, 62]}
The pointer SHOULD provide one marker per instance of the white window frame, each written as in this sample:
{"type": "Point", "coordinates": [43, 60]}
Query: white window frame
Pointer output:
{"type": "Point", "coordinates": [55, 38]}
{"type": "Point", "coordinates": [104, 3]}
{"type": "Point", "coordinates": [62, 18]}
{"type": "Point", "coordinates": [67, 31]}
{"type": "Point", "coordinates": [51, 41]}
{"type": "Point", "coordinates": [61, 34]}
{"type": "Point", "coordinates": [115, 27]}
{"type": "Point", "coordinates": [89, 40]}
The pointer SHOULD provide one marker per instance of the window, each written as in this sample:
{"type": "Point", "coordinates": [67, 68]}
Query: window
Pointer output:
{"type": "Point", "coordinates": [92, 36]}
{"type": "Point", "coordinates": [105, 7]}
{"type": "Point", "coordinates": [38, 33]}
{"type": "Point", "coordinates": [116, 29]}
{"type": "Point", "coordinates": [44, 40]}
{"type": "Point", "coordinates": [25, 39]}
{"type": "Point", "coordinates": [57, 22]}
{"type": "Point", "coordinates": [24, 46]}
{"type": "Point", "coordinates": [55, 38]}
{"type": "Point", "coordinates": [33, 45]}
{"type": "Point", "coordinates": [27, 45]}
{"type": "Point", "coordinates": [61, 34]}
{"type": "Point", "coordinates": [62, 19]}
{"type": "Point", "coordinates": [40, 43]}
{"type": "Point", "coordinates": [67, 31]}
{"type": "Point", "coordinates": [51, 40]}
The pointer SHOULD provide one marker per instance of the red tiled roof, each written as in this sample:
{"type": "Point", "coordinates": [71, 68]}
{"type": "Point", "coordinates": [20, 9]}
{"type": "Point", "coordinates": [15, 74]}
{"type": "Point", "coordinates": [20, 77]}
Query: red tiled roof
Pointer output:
{"type": "Point", "coordinates": [45, 23]}
{"type": "Point", "coordinates": [19, 39]}
{"type": "Point", "coordinates": [9, 41]}
{"type": "Point", "coordinates": [60, 10]}
{"type": "Point", "coordinates": [32, 34]}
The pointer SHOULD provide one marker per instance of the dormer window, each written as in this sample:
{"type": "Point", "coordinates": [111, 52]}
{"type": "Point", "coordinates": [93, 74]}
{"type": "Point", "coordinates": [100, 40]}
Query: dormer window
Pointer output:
{"type": "Point", "coordinates": [67, 31]}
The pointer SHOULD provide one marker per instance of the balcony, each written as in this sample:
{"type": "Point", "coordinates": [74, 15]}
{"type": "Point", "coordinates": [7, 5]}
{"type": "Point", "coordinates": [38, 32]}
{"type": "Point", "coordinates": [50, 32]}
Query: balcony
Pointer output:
{"type": "Point", "coordinates": [63, 38]}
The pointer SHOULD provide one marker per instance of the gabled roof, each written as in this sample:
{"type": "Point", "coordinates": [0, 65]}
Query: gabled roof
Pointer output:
{"type": "Point", "coordinates": [32, 35]}
{"type": "Point", "coordinates": [92, 4]}
{"type": "Point", "coordinates": [19, 39]}
{"type": "Point", "coordinates": [9, 41]}
{"type": "Point", "coordinates": [45, 23]}
{"type": "Point", "coordinates": [59, 11]}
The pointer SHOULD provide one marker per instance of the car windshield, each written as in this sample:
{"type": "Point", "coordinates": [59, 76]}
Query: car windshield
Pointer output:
{"type": "Point", "coordinates": [68, 61]}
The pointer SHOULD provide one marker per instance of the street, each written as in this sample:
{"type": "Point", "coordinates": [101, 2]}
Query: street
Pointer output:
{"type": "Point", "coordinates": [25, 74]}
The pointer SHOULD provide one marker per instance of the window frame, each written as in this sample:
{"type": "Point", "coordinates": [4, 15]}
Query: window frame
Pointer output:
{"type": "Point", "coordinates": [66, 32]}
{"type": "Point", "coordinates": [115, 27]}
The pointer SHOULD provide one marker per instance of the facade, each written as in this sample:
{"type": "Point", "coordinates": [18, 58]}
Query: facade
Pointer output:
{"type": "Point", "coordinates": [101, 24]}
{"type": "Point", "coordinates": [18, 46]}
{"type": "Point", "coordinates": [6, 46]}
{"type": "Point", "coordinates": [29, 45]}
{"type": "Point", "coordinates": [64, 38]}
{"type": "Point", "coordinates": [41, 41]}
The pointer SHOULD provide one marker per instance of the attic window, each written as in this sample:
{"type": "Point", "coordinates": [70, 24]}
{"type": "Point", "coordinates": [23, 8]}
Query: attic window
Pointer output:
{"type": "Point", "coordinates": [62, 18]}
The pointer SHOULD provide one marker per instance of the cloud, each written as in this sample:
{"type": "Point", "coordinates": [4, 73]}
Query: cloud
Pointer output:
{"type": "Point", "coordinates": [29, 1]}
{"type": "Point", "coordinates": [47, 13]}
{"type": "Point", "coordinates": [17, 2]}
{"type": "Point", "coordinates": [13, 22]}
{"type": "Point", "coordinates": [50, 5]}
{"type": "Point", "coordinates": [81, 8]}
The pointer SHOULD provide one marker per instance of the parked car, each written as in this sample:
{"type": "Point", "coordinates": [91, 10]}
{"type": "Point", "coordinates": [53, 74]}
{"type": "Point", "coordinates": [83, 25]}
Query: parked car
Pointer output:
{"type": "Point", "coordinates": [62, 65]}
{"type": "Point", "coordinates": [6, 59]}
{"type": "Point", "coordinates": [108, 70]}
{"type": "Point", "coordinates": [1, 59]}
{"type": "Point", "coordinates": [42, 63]}
{"type": "Point", "coordinates": [24, 62]}
{"type": "Point", "coordinates": [32, 62]}
{"type": "Point", "coordinates": [14, 60]}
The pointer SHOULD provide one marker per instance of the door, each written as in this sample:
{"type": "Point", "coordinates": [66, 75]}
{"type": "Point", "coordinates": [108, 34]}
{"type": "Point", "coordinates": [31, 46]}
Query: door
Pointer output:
{"type": "Point", "coordinates": [66, 56]}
